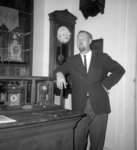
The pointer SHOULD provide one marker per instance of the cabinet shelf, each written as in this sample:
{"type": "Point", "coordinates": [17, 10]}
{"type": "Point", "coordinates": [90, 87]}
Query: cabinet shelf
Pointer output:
{"type": "Point", "coordinates": [12, 63]}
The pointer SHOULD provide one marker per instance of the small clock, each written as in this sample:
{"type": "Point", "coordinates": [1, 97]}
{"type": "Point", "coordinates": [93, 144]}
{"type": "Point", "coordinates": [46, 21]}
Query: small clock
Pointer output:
{"type": "Point", "coordinates": [14, 99]}
{"type": "Point", "coordinates": [63, 34]}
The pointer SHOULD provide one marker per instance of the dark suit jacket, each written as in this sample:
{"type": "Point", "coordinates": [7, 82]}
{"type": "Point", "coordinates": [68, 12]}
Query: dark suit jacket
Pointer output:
{"type": "Point", "coordinates": [93, 81]}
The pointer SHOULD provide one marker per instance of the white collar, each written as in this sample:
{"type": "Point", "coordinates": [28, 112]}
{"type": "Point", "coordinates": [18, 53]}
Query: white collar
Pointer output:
{"type": "Point", "coordinates": [89, 53]}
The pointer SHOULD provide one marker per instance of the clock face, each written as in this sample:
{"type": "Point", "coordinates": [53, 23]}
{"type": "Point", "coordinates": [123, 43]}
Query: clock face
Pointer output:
{"type": "Point", "coordinates": [14, 99]}
{"type": "Point", "coordinates": [63, 34]}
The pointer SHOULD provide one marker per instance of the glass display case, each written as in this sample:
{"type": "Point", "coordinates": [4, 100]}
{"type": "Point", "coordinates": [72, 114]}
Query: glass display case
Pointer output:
{"type": "Point", "coordinates": [25, 92]}
{"type": "Point", "coordinates": [16, 32]}
{"type": "Point", "coordinates": [19, 93]}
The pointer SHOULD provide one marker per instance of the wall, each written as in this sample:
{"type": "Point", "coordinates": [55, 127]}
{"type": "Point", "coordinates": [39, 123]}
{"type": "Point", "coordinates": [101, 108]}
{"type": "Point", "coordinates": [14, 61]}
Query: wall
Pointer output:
{"type": "Point", "coordinates": [118, 27]}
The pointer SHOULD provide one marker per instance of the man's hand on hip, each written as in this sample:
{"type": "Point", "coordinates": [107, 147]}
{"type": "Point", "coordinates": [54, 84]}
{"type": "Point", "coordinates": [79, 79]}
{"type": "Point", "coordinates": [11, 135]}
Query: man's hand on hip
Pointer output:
{"type": "Point", "coordinates": [61, 81]}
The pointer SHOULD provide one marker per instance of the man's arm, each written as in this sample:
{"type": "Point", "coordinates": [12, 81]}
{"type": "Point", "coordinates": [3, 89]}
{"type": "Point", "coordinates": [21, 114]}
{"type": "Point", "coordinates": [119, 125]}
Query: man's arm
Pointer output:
{"type": "Point", "coordinates": [115, 71]}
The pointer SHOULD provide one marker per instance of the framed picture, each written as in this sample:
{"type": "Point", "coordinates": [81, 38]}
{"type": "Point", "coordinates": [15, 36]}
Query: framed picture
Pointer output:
{"type": "Point", "coordinates": [15, 47]}
{"type": "Point", "coordinates": [97, 45]}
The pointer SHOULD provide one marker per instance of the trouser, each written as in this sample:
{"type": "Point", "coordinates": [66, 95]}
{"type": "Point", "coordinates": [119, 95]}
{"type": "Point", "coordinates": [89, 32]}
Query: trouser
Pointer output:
{"type": "Point", "coordinates": [94, 126]}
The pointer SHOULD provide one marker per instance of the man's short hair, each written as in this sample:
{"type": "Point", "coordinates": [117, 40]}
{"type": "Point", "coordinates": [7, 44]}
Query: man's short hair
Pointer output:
{"type": "Point", "coordinates": [89, 34]}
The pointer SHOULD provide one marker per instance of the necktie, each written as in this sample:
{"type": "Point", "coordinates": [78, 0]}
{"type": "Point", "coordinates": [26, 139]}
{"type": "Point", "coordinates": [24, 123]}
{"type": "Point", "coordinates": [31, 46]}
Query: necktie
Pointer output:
{"type": "Point", "coordinates": [85, 63]}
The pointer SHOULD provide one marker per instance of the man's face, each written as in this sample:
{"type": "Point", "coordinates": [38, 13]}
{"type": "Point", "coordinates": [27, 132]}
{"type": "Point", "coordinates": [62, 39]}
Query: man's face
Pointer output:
{"type": "Point", "coordinates": [83, 42]}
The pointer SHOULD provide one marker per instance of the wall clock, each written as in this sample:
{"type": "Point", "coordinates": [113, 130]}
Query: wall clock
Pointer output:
{"type": "Point", "coordinates": [63, 34]}
{"type": "Point", "coordinates": [62, 29]}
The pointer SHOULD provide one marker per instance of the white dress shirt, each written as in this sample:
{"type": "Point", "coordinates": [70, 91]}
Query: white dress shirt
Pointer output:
{"type": "Point", "coordinates": [88, 58]}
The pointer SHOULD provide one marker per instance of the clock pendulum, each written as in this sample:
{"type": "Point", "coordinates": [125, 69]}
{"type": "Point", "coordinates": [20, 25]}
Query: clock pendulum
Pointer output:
{"type": "Point", "coordinates": [60, 56]}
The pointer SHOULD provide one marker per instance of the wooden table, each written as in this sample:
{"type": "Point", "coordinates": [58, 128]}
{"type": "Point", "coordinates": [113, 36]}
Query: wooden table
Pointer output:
{"type": "Point", "coordinates": [46, 129]}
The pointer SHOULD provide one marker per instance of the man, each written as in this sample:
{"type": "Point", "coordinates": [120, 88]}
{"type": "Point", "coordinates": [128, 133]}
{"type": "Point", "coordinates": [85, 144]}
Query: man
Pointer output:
{"type": "Point", "coordinates": [92, 75]}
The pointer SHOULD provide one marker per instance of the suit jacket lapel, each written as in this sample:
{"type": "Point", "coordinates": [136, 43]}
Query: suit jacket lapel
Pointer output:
{"type": "Point", "coordinates": [80, 65]}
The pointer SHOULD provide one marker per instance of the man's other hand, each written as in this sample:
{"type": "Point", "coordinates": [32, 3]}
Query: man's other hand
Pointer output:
{"type": "Point", "coordinates": [61, 81]}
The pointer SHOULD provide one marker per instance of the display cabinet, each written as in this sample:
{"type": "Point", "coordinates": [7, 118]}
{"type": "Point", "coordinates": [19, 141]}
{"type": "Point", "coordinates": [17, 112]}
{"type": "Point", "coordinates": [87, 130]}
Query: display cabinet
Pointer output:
{"type": "Point", "coordinates": [16, 33]}
{"type": "Point", "coordinates": [23, 92]}
{"type": "Point", "coordinates": [30, 92]}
